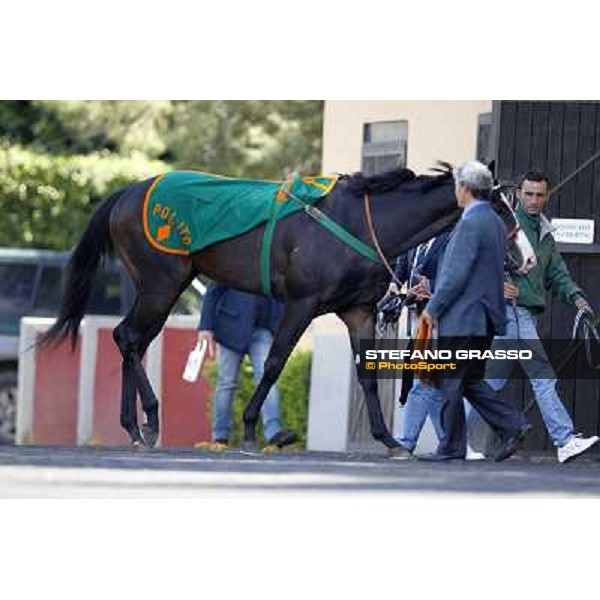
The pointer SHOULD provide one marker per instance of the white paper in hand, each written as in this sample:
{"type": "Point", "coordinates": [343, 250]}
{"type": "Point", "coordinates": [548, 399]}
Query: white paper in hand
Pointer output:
{"type": "Point", "coordinates": [194, 362]}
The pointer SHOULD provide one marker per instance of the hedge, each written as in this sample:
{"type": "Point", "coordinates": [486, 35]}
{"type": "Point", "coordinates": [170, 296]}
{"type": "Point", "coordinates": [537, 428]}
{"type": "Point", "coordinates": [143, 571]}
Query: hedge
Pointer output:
{"type": "Point", "coordinates": [46, 200]}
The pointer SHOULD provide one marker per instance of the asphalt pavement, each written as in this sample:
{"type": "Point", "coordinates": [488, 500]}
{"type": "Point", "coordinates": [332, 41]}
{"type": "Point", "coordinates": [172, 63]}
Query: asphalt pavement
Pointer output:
{"type": "Point", "coordinates": [65, 472]}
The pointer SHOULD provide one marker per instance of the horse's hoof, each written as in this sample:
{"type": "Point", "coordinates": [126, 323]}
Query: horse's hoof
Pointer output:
{"type": "Point", "coordinates": [399, 453]}
{"type": "Point", "coordinates": [149, 435]}
{"type": "Point", "coordinates": [138, 445]}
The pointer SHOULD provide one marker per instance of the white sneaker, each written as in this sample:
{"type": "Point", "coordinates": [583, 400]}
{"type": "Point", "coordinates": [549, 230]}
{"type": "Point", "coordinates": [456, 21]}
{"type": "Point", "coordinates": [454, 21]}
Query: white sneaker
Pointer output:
{"type": "Point", "coordinates": [575, 446]}
{"type": "Point", "coordinates": [473, 454]}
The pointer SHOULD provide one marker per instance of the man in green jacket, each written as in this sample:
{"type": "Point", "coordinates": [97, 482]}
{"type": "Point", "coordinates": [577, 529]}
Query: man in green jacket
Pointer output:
{"type": "Point", "coordinates": [526, 299]}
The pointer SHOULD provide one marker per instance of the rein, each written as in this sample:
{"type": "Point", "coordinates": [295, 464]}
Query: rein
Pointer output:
{"type": "Point", "coordinates": [375, 241]}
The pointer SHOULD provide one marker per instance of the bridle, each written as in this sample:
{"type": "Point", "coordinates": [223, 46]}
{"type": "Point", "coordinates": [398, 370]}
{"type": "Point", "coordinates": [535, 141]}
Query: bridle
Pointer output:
{"type": "Point", "coordinates": [508, 200]}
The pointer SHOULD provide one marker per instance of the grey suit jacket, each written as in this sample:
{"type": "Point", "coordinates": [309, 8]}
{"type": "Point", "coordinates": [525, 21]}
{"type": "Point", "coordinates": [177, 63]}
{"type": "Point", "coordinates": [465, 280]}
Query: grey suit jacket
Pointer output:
{"type": "Point", "coordinates": [469, 293]}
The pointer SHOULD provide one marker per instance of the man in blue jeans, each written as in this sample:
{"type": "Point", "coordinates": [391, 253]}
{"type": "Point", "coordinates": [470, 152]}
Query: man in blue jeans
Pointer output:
{"type": "Point", "coordinates": [526, 299]}
{"type": "Point", "coordinates": [417, 268]}
{"type": "Point", "coordinates": [240, 324]}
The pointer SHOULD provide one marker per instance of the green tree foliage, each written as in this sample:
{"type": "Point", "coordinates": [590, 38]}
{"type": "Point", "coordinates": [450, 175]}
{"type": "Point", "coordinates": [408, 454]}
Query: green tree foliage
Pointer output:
{"type": "Point", "coordinates": [17, 121]}
{"type": "Point", "coordinates": [252, 138]}
{"type": "Point", "coordinates": [46, 200]}
{"type": "Point", "coordinates": [294, 385]}
{"type": "Point", "coordinates": [83, 126]}
{"type": "Point", "coordinates": [262, 139]}
{"type": "Point", "coordinates": [58, 158]}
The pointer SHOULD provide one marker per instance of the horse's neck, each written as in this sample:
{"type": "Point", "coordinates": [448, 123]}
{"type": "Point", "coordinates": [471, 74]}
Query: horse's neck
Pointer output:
{"type": "Point", "coordinates": [400, 223]}
{"type": "Point", "coordinates": [401, 220]}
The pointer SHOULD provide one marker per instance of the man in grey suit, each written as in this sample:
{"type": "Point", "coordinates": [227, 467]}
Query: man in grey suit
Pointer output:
{"type": "Point", "coordinates": [468, 305]}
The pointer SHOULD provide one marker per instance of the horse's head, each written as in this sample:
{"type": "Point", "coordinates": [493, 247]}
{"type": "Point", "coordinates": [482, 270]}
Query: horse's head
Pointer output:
{"type": "Point", "coordinates": [520, 256]}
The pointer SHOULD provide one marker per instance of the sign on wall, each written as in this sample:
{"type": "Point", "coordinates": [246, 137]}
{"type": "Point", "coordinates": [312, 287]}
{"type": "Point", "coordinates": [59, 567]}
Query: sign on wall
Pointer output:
{"type": "Point", "coordinates": [574, 231]}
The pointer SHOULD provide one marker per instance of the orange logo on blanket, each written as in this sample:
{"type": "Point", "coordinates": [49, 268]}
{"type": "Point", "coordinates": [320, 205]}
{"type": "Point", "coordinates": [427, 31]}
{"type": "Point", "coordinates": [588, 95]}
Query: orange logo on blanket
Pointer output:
{"type": "Point", "coordinates": [162, 233]}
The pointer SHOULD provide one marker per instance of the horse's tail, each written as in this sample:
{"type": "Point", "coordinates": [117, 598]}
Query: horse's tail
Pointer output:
{"type": "Point", "coordinates": [81, 272]}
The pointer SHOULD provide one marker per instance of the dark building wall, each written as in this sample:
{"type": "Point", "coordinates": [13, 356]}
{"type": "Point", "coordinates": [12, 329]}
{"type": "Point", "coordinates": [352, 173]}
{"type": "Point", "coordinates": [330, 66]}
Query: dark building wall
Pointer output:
{"type": "Point", "coordinates": [557, 137]}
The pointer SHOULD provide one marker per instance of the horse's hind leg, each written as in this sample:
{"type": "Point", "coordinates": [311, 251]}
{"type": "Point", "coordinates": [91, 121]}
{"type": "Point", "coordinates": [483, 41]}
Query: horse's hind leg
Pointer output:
{"type": "Point", "coordinates": [133, 336]}
{"type": "Point", "coordinates": [129, 341]}
{"type": "Point", "coordinates": [159, 279]}
{"type": "Point", "coordinates": [128, 396]}
{"type": "Point", "coordinates": [150, 429]}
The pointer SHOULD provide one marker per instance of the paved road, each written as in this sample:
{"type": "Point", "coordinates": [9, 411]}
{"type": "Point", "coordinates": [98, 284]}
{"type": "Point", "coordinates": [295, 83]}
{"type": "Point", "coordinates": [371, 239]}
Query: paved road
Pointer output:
{"type": "Point", "coordinates": [50, 472]}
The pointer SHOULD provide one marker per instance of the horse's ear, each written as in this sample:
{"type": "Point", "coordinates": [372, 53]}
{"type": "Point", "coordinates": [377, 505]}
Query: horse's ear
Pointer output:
{"type": "Point", "coordinates": [492, 167]}
{"type": "Point", "coordinates": [441, 166]}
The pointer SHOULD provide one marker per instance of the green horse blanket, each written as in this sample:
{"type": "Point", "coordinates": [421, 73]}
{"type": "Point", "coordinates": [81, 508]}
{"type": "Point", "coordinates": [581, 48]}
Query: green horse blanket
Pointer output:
{"type": "Point", "coordinates": [186, 211]}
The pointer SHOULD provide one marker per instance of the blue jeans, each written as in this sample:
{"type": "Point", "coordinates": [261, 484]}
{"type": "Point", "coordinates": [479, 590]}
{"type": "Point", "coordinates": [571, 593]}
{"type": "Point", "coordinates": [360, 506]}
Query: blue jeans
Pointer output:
{"type": "Point", "coordinates": [229, 362]}
{"type": "Point", "coordinates": [521, 325]}
{"type": "Point", "coordinates": [424, 400]}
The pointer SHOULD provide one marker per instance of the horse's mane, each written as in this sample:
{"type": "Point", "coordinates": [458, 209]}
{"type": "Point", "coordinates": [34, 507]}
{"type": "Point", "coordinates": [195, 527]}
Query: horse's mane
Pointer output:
{"type": "Point", "coordinates": [360, 184]}
{"type": "Point", "coordinates": [429, 182]}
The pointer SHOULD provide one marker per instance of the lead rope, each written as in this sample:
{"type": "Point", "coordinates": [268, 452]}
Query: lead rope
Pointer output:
{"type": "Point", "coordinates": [583, 321]}
{"type": "Point", "coordinates": [584, 332]}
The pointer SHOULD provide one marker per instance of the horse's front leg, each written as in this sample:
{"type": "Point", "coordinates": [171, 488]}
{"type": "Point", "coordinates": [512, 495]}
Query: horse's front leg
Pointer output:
{"type": "Point", "coordinates": [295, 319]}
{"type": "Point", "coordinates": [360, 321]}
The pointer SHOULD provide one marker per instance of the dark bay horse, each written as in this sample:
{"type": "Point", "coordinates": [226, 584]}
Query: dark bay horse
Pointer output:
{"type": "Point", "coordinates": [312, 273]}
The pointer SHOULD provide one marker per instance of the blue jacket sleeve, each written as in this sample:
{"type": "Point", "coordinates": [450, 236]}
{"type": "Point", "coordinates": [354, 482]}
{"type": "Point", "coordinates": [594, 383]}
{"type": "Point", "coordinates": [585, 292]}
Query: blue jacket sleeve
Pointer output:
{"type": "Point", "coordinates": [456, 268]}
{"type": "Point", "coordinates": [214, 293]}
